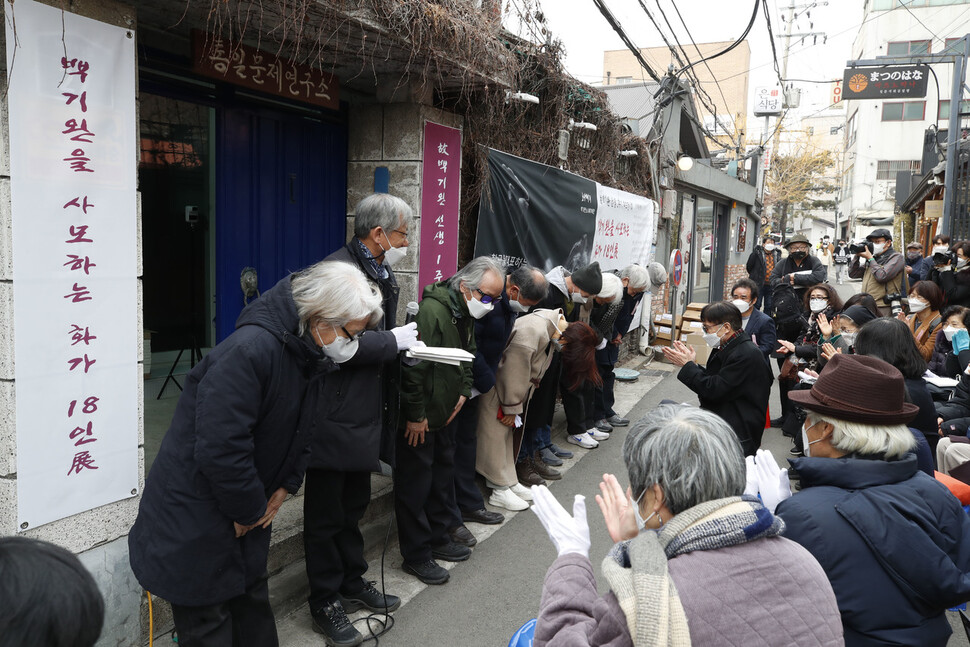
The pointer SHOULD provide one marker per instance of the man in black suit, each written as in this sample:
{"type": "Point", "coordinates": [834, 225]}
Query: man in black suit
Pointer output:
{"type": "Point", "coordinates": [759, 326]}
{"type": "Point", "coordinates": [737, 380]}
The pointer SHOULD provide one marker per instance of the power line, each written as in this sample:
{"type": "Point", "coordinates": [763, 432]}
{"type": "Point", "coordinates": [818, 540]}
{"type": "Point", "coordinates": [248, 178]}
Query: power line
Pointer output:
{"type": "Point", "coordinates": [601, 5]}
{"type": "Point", "coordinates": [754, 14]}
{"type": "Point", "coordinates": [771, 39]}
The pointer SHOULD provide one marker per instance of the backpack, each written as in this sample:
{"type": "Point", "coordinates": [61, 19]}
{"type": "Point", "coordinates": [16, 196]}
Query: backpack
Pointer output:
{"type": "Point", "coordinates": [786, 311]}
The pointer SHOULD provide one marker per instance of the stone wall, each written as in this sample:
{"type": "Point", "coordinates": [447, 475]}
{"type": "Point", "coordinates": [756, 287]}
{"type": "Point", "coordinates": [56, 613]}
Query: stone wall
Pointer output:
{"type": "Point", "coordinates": [392, 135]}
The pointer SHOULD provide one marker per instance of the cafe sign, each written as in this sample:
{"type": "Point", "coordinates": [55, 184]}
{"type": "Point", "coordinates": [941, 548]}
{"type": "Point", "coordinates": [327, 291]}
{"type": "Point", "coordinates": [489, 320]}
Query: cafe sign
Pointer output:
{"type": "Point", "coordinates": [256, 69]}
{"type": "Point", "coordinates": [885, 82]}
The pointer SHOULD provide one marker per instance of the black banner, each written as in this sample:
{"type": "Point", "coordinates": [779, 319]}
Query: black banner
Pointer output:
{"type": "Point", "coordinates": [890, 82]}
{"type": "Point", "coordinates": [536, 213]}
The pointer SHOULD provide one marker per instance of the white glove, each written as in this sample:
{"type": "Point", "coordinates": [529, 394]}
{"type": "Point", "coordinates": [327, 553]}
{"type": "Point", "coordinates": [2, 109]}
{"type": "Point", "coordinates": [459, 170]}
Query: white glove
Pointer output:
{"type": "Point", "coordinates": [601, 345]}
{"type": "Point", "coordinates": [411, 361]}
{"type": "Point", "coordinates": [569, 534]}
{"type": "Point", "coordinates": [750, 476]}
{"type": "Point", "coordinates": [772, 480]}
{"type": "Point", "coordinates": [405, 335]}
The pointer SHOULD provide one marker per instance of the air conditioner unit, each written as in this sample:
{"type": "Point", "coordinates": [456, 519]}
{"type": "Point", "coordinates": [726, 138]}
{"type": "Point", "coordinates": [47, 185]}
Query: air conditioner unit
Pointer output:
{"type": "Point", "coordinates": [890, 192]}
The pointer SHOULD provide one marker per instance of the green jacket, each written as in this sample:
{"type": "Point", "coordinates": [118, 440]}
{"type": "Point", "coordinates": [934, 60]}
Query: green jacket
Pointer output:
{"type": "Point", "coordinates": [430, 389]}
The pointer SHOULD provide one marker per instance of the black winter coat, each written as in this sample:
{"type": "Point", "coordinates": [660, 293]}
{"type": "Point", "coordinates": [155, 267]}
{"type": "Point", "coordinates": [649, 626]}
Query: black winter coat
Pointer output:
{"type": "Point", "coordinates": [241, 431]}
{"type": "Point", "coordinates": [955, 286]}
{"type": "Point", "coordinates": [358, 413]}
{"type": "Point", "coordinates": [491, 334]}
{"type": "Point", "coordinates": [802, 281]}
{"type": "Point", "coordinates": [735, 385]}
{"type": "Point", "coordinates": [757, 267]}
{"type": "Point", "coordinates": [893, 541]}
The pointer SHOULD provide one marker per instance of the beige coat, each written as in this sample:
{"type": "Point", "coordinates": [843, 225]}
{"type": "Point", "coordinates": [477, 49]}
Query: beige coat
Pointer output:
{"type": "Point", "coordinates": [525, 359]}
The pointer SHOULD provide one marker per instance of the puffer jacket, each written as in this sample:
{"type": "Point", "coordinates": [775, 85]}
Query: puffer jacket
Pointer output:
{"type": "Point", "coordinates": [893, 541]}
{"type": "Point", "coordinates": [431, 389]}
{"type": "Point", "coordinates": [241, 431]}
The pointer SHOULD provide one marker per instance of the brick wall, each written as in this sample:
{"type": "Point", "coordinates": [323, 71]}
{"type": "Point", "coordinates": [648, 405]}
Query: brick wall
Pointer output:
{"type": "Point", "coordinates": [731, 274]}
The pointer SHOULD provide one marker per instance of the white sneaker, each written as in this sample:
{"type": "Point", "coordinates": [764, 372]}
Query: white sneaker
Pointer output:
{"type": "Point", "coordinates": [583, 440]}
{"type": "Point", "coordinates": [596, 434]}
{"type": "Point", "coordinates": [521, 491]}
{"type": "Point", "coordinates": [505, 498]}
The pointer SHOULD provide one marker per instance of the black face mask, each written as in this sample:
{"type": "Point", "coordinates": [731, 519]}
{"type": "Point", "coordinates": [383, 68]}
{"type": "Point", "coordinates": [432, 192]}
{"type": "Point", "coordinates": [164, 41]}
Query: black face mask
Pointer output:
{"type": "Point", "coordinates": [799, 255]}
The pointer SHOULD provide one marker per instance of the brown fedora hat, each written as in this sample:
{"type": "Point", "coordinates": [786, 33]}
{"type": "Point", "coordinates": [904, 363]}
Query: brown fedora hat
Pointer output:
{"type": "Point", "coordinates": [858, 388]}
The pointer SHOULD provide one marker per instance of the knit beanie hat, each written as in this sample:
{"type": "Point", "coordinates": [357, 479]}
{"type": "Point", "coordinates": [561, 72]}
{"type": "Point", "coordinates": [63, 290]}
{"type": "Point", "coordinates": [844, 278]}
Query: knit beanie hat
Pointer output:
{"type": "Point", "coordinates": [588, 279]}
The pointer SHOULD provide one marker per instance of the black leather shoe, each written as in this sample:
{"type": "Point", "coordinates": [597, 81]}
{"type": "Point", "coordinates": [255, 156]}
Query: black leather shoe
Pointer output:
{"type": "Point", "coordinates": [484, 516]}
{"type": "Point", "coordinates": [451, 552]}
{"type": "Point", "coordinates": [778, 422]}
{"type": "Point", "coordinates": [371, 599]}
{"type": "Point", "coordinates": [462, 536]}
{"type": "Point", "coordinates": [332, 622]}
{"type": "Point", "coordinates": [617, 421]}
{"type": "Point", "coordinates": [429, 572]}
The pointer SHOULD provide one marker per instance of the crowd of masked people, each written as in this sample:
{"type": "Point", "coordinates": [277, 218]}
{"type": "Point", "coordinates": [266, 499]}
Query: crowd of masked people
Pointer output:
{"type": "Point", "coordinates": [714, 545]}
{"type": "Point", "coordinates": [319, 385]}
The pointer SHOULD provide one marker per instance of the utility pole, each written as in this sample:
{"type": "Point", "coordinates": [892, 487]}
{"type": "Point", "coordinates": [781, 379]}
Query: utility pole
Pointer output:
{"type": "Point", "coordinates": [789, 23]}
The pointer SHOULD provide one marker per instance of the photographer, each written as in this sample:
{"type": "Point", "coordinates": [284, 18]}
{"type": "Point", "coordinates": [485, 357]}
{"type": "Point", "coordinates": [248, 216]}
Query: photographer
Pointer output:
{"type": "Point", "coordinates": [880, 267]}
{"type": "Point", "coordinates": [950, 272]}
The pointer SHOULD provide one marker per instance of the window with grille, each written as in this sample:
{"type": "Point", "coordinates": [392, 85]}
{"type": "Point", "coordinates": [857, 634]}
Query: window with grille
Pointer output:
{"type": "Point", "coordinates": [887, 169]}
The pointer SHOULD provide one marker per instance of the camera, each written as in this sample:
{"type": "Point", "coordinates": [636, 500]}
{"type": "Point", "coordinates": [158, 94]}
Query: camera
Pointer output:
{"type": "Point", "coordinates": [855, 248]}
{"type": "Point", "coordinates": [895, 302]}
{"type": "Point", "coordinates": [944, 258]}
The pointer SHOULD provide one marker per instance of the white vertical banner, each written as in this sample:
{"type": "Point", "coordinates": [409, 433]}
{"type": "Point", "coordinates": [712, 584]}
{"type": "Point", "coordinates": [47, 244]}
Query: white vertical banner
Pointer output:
{"type": "Point", "coordinates": [72, 166]}
{"type": "Point", "coordinates": [626, 224]}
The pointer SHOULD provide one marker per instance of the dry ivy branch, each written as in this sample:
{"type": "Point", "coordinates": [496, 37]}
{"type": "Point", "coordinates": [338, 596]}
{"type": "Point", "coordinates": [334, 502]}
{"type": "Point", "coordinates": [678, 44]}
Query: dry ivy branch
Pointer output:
{"type": "Point", "coordinates": [463, 52]}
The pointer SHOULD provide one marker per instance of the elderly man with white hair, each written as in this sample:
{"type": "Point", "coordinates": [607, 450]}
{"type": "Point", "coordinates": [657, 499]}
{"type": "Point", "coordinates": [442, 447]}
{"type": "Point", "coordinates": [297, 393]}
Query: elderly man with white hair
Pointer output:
{"type": "Point", "coordinates": [357, 428]}
{"type": "Point", "coordinates": [893, 541]}
{"type": "Point", "coordinates": [432, 394]}
{"type": "Point", "coordinates": [238, 444]}
{"type": "Point", "coordinates": [614, 323]}
{"type": "Point", "coordinates": [695, 561]}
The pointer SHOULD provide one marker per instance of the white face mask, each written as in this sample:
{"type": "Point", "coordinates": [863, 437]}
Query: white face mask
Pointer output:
{"type": "Point", "coordinates": [394, 254]}
{"type": "Point", "coordinates": [949, 331]}
{"type": "Point", "coordinates": [817, 305]}
{"type": "Point", "coordinates": [340, 349]}
{"type": "Point", "coordinates": [769, 247]}
{"type": "Point", "coordinates": [741, 305]}
{"type": "Point", "coordinates": [477, 309]}
{"type": "Point", "coordinates": [712, 339]}
{"type": "Point", "coordinates": [577, 297]}
{"type": "Point", "coordinates": [940, 249]}
{"type": "Point", "coordinates": [878, 248]}
{"type": "Point", "coordinates": [635, 503]}
{"type": "Point", "coordinates": [962, 261]}
{"type": "Point", "coordinates": [849, 337]}
{"type": "Point", "coordinates": [917, 305]}
{"type": "Point", "coordinates": [517, 307]}
{"type": "Point", "coordinates": [805, 443]}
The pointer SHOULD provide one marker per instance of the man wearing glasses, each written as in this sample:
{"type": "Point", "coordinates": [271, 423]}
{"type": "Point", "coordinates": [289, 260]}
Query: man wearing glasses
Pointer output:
{"type": "Point", "coordinates": [801, 270]}
{"type": "Point", "coordinates": [432, 394]}
{"type": "Point", "coordinates": [356, 426]}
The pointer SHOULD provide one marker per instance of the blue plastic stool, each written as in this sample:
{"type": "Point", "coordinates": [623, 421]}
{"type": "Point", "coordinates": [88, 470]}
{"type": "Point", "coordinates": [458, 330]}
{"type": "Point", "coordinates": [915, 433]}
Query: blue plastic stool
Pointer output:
{"type": "Point", "coordinates": [524, 636]}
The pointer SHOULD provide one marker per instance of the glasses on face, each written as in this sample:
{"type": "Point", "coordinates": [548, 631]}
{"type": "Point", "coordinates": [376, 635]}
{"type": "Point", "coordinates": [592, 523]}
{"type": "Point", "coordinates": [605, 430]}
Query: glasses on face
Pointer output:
{"type": "Point", "coordinates": [488, 298]}
{"type": "Point", "coordinates": [708, 329]}
{"type": "Point", "coordinates": [798, 248]}
{"type": "Point", "coordinates": [817, 297]}
{"type": "Point", "coordinates": [348, 335]}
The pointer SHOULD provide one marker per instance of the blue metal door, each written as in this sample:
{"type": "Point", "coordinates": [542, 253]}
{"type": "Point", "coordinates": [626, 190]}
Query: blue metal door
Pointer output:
{"type": "Point", "coordinates": [280, 203]}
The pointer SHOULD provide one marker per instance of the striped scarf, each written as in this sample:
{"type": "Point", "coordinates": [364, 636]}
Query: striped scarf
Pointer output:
{"type": "Point", "coordinates": [637, 569]}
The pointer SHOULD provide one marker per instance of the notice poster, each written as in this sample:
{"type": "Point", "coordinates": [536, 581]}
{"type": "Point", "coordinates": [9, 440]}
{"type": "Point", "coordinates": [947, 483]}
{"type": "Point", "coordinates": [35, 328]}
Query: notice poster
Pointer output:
{"type": "Point", "coordinates": [625, 227]}
{"type": "Point", "coordinates": [72, 167]}
{"type": "Point", "coordinates": [440, 199]}
{"type": "Point", "coordinates": [537, 214]}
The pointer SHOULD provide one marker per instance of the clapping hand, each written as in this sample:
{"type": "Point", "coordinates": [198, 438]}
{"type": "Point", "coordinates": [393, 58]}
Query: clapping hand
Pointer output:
{"type": "Point", "coordinates": [770, 480]}
{"type": "Point", "coordinates": [680, 353]}
{"type": "Point", "coordinates": [570, 534]}
{"type": "Point", "coordinates": [829, 351]}
{"type": "Point", "coordinates": [824, 325]}
{"type": "Point", "coordinates": [786, 347]}
{"type": "Point", "coordinates": [617, 509]}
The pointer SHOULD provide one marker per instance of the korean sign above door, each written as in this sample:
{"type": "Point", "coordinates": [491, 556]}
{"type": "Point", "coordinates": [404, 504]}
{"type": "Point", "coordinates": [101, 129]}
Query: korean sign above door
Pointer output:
{"type": "Point", "coordinates": [252, 68]}
{"type": "Point", "coordinates": [72, 183]}
{"type": "Point", "coordinates": [889, 82]}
